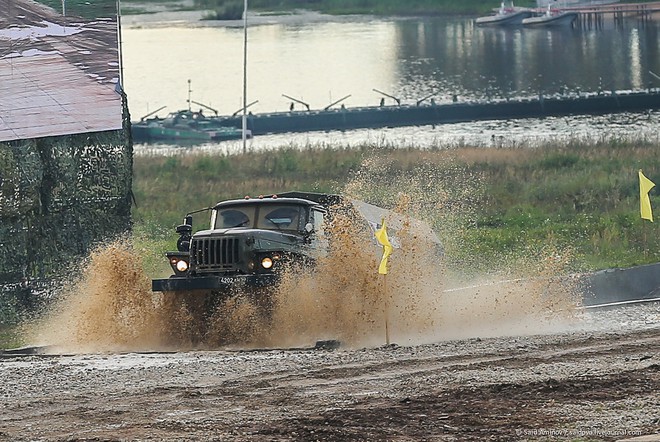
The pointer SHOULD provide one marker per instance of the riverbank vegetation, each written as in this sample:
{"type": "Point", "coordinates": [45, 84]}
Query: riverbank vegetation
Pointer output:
{"type": "Point", "coordinates": [10, 337]}
{"type": "Point", "coordinates": [382, 7]}
{"type": "Point", "coordinates": [233, 9]}
{"type": "Point", "coordinates": [494, 209]}
{"type": "Point", "coordinates": [489, 206]}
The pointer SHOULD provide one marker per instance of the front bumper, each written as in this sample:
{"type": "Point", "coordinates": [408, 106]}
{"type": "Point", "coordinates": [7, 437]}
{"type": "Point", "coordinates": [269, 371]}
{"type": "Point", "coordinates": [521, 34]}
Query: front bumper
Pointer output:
{"type": "Point", "coordinates": [183, 283]}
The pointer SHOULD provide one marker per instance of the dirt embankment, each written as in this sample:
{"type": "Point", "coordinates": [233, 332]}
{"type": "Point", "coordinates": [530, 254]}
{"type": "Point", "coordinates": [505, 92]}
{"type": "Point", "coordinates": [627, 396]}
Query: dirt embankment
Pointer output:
{"type": "Point", "coordinates": [515, 360]}
{"type": "Point", "coordinates": [598, 381]}
{"type": "Point", "coordinates": [581, 375]}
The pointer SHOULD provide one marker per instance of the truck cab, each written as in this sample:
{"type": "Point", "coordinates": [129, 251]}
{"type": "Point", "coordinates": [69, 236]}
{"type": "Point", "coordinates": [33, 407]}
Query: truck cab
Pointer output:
{"type": "Point", "coordinates": [249, 242]}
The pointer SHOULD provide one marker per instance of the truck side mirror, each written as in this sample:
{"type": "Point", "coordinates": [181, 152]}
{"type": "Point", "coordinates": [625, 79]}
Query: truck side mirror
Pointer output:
{"type": "Point", "coordinates": [185, 233]}
{"type": "Point", "coordinates": [182, 229]}
{"type": "Point", "coordinates": [309, 228]}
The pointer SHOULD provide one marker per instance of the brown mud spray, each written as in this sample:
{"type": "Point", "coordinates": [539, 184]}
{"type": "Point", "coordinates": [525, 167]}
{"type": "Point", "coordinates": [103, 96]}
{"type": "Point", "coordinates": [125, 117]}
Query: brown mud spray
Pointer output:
{"type": "Point", "coordinates": [111, 308]}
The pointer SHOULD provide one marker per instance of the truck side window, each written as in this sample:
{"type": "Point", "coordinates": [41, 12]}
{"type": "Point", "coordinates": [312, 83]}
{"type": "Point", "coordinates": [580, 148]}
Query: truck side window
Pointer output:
{"type": "Point", "coordinates": [318, 240]}
{"type": "Point", "coordinates": [317, 221]}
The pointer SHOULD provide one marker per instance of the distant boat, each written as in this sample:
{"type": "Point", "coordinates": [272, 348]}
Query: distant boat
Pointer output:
{"type": "Point", "coordinates": [184, 127]}
{"type": "Point", "coordinates": [552, 17]}
{"type": "Point", "coordinates": [507, 15]}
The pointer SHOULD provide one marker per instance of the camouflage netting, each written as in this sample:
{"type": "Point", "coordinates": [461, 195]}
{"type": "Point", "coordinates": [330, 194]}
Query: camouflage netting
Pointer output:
{"type": "Point", "coordinates": [59, 196]}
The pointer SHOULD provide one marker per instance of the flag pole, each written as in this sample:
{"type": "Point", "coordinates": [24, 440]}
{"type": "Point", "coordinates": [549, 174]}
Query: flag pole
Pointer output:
{"type": "Point", "coordinates": [646, 212]}
{"type": "Point", "coordinates": [387, 310]}
{"type": "Point", "coordinates": [381, 237]}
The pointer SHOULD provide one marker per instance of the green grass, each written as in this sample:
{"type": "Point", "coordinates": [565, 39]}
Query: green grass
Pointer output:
{"type": "Point", "coordinates": [493, 209]}
{"type": "Point", "coordinates": [225, 10]}
{"type": "Point", "coordinates": [490, 206]}
{"type": "Point", "coordinates": [142, 7]}
{"type": "Point", "coordinates": [10, 338]}
{"type": "Point", "coordinates": [379, 7]}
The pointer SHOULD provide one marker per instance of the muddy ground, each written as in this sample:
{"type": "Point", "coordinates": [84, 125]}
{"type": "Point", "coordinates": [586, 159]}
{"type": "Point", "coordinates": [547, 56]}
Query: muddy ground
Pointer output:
{"type": "Point", "coordinates": [595, 381]}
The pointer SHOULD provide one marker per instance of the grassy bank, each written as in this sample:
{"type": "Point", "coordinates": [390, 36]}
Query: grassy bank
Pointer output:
{"type": "Point", "coordinates": [493, 209]}
{"type": "Point", "coordinates": [232, 9]}
{"type": "Point", "coordinates": [9, 337]}
{"type": "Point", "coordinates": [384, 7]}
{"type": "Point", "coordinates": [488, 205]}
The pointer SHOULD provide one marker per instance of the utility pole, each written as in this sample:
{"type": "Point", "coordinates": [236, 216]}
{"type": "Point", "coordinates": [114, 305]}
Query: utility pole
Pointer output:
{"type": "Point", "coordinates": [245, 11]}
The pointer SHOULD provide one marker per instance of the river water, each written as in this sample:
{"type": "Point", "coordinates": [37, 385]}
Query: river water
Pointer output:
{"type": "Point", "coordinates": [320, 59]}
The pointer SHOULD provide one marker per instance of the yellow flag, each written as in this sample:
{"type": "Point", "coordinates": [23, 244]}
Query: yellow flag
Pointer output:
{"type": "Point", "coordinates": [381, 236]}
{"type": "Point", "coordinates": [645, 185]}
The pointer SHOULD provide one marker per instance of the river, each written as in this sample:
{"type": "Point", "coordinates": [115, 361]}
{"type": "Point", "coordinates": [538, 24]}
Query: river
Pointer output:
{"type": "Point", "coordinates": [319, 60]}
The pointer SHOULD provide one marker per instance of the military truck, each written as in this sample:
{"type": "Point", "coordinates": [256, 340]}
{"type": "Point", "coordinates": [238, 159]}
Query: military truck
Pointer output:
{"type": "Point", "coordinates": [249, 242]}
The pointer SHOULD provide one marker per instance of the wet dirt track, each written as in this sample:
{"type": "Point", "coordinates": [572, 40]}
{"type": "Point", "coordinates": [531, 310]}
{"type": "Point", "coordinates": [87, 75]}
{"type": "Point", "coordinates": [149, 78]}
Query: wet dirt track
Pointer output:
{"type": "Point", "coordinates": [596, 382]}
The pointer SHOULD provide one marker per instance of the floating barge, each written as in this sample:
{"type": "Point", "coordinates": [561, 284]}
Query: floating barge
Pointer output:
{"type": "Point", "coordinates": [345, 118]}
{"type": "Point", "coordinates": [219, 128]}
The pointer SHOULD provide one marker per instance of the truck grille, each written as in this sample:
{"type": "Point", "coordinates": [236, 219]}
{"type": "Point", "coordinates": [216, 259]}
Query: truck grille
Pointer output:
{"type": "Point", "coordinates": [214, 254]}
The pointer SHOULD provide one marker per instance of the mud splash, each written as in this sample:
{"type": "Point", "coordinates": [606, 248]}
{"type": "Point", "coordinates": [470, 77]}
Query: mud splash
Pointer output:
{"type": "Point", "coordinates": [422, 299]}
{"type": "Point", "coordinates": [426, 296]}
{"type": "Point", "coordinates": [109, 308]}
{"type": "Point", "coordinates": [414, 303]}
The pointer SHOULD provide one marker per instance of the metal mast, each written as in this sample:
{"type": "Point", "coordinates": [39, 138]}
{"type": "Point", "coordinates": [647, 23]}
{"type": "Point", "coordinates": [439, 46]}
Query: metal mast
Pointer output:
{"type": "Point", "coordinates": [245, 11]}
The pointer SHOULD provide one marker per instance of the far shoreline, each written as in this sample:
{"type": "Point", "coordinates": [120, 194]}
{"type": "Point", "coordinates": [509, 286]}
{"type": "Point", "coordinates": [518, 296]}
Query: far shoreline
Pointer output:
{"type": "Point", "coordinates": [156, 15]}
{"type": "Point", "coordinates": [196, 18]}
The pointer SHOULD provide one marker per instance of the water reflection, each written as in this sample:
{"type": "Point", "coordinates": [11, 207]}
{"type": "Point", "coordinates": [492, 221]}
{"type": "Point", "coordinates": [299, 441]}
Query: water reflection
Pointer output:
{"type": "Point", "coordinates": [635, 62]}
{"type": "Point", "coordinates": [320, 62]}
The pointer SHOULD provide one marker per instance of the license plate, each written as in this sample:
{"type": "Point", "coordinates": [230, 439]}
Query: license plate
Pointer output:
{"type": "Point", "coordinates": [231, 281]}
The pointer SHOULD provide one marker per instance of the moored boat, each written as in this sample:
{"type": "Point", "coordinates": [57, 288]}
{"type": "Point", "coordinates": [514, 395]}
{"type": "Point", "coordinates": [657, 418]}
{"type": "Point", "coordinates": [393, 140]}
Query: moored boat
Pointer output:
{"type": "Point", "coordinates": [507, 15]}
{"type": "Point", "coordinates": [184, 126]}
{"type": "Point", "coordinates": [552, 17]}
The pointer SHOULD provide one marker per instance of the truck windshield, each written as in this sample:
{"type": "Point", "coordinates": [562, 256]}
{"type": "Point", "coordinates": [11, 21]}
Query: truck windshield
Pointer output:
{"type": "Point", "coordinates": [280, 217]}
{"type": "Point", "coordinates": [262, 216]}
{"type": "Point", "coordinates": [242, 216]}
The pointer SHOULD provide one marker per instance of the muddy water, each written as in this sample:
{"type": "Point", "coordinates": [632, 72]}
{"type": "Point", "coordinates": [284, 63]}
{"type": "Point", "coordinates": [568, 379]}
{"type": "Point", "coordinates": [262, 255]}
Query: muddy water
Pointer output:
{"type": "Point", "coordinates": [422, 299]}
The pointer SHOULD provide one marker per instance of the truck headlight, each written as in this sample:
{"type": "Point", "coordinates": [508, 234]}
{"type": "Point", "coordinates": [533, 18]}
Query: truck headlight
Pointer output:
{"type": "Point", "coordinates": [180, 262]}
{"type": "Point", "coordinates": [267, 262]}
{"type": "Point", "coordinates": [181, 265]}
